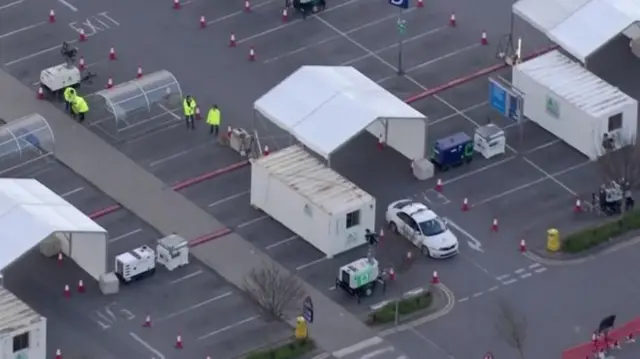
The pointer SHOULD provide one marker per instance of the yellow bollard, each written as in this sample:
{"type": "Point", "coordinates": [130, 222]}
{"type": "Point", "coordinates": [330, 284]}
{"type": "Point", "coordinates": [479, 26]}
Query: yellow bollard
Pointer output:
{"type": "Point", "coordinates": [553, 240]}
{"type": "Point", "coordinates": [301, 328]}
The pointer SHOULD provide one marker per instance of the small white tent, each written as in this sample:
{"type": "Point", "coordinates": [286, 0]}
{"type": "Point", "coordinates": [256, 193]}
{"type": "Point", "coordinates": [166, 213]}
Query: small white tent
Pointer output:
{"type": "Point", "coordinates": [30, 212]}
{"type": "Point", "coordinates": [324, 107]}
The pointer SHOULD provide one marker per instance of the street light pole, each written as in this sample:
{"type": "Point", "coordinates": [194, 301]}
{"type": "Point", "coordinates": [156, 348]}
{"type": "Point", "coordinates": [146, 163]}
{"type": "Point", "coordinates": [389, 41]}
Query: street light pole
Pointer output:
{"type": "Point", "coordinates": [402, 28]}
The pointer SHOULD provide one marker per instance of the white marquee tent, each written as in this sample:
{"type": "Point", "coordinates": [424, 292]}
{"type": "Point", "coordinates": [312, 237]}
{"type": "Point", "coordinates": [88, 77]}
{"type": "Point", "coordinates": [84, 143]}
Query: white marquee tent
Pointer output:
{"type": "Point", "coordinates": [30, 212]}
{"type": "Point", "coordinates": [581, 27]}
{"type": "Point", "coordinates": [324, 107]}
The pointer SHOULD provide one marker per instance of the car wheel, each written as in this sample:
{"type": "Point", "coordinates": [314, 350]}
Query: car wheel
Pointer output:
{"type": "Point", "coordinates": [425, 251]}
{"type": "Point", "coordinates": [368, 292]}
{"type": "Point", "coordinates": [393, 227]}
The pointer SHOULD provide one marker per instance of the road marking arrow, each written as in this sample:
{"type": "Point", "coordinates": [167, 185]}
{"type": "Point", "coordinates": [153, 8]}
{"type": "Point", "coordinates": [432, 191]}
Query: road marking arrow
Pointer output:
{"type": "Point", "coordinates": [472, 241]}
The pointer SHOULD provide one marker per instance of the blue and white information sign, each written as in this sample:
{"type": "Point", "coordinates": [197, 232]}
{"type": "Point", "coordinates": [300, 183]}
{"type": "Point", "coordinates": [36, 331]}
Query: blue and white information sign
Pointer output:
{"type": "Point", "coordinates": [505, 99]}
{"type": "Point", "coordinates": [404, 4]}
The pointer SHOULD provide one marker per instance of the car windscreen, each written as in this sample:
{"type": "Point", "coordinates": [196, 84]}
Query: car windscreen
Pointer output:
{"type": "Point", "coordinates": [433, 227]}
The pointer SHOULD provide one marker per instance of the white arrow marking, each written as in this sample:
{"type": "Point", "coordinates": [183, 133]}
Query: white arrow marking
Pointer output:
{"type": "Point", "coordinates": [472, 241]}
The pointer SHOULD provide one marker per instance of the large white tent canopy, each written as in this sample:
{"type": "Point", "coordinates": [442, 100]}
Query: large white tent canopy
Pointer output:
{"type": "Point", "coordinates": [581, 27]}
{"type": "Point", "coordinates": [324, 107]}
{"type": "Point", "coordinates": [30, 213]}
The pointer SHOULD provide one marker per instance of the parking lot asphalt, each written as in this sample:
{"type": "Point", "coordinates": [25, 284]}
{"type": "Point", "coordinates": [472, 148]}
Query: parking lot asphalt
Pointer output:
{"type": "Point", "coordinates": [212, 316]}
{"type": "Point", "coordinates": [354, 32]}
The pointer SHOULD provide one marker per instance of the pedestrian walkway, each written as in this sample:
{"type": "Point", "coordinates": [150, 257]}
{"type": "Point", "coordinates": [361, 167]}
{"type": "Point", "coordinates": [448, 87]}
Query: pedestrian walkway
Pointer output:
{"type": "Point", "coordinates": [169, 212]}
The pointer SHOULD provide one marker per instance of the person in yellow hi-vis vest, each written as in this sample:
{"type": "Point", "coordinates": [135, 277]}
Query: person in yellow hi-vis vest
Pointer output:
{"type": "Point", "coordinates": [69, 95]}
{"type": "Point", "coordinates": [79, 107]}
{"type": "Point", "coordinates": [213, 120]}
{"type": "Point", "coordinates": [189, 107]}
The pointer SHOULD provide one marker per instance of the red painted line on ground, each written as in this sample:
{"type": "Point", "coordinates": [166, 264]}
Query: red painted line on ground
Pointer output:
{"type": "Point", "coordinates": [103, 212]}
{"type": "Point", "coordinates": [619, 334]}
{"type": "Point", "coordinates": [464, 79]}
{"type": "Point", "coordinates": [209, 237]}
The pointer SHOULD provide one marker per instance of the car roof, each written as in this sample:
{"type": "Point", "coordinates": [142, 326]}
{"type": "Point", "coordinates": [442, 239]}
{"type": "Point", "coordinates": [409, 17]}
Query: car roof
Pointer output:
{"type": "Point", "coordinates": [418, 211]}
{"type": "Point", "coordinates": [424, 215]}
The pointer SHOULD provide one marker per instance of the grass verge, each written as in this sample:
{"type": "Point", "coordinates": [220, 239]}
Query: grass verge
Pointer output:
{"type": "Point", "coordinates": [292, 349]}
{"type": "Point", "coordinates": [591, 237]}
{"type": "Point", "coordinates": [387, 314]}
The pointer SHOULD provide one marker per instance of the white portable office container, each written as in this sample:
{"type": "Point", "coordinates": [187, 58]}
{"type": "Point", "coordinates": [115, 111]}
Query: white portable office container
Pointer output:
{"type": "Point", "coordinates": [581, 109]}
{"type": "Point", "coordinates": [23, 332]}
{"type": "Point", "coordinates": [312, 200]}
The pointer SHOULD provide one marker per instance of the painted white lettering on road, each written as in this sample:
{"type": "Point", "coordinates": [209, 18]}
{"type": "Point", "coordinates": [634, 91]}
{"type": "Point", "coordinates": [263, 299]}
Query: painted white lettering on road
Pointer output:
{"type": "Point", "coordinates": [94, 24]}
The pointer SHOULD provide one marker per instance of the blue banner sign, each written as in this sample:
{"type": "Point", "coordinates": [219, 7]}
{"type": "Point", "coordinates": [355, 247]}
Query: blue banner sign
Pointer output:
{"type": "Point", "coordinates": [505, 99]}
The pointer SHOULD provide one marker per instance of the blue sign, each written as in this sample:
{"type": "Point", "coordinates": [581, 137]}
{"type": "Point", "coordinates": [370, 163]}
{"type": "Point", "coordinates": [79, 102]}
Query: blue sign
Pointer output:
{"type": "Point", "coordinates": [404, 4]}
{"type": "Point", "coordinates": [307, 310]}
{"type": "Point", "coordinates": [505, 99]}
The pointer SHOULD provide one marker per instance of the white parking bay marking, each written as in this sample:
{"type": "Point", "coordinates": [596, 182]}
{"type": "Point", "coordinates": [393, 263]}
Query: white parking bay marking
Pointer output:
{"type": "Point", "coordinates": [472, 241]}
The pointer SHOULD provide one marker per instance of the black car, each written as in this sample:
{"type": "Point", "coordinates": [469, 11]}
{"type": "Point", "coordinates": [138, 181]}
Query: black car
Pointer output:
{"type": "Point", "coordinates": [307, 7]}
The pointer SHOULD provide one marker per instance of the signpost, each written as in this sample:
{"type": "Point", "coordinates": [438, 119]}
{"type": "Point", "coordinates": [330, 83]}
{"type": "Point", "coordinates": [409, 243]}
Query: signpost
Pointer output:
{"type": "Point", "coordinates": [307, 309]}
{"type": "Point", "coordinates": [507, 100]}
{"type": "Point", "coordinates": [402, 29]}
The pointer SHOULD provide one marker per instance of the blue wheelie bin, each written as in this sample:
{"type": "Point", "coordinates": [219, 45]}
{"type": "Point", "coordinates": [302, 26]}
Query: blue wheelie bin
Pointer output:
{"type": "Point", "coordinates": [452, 151]}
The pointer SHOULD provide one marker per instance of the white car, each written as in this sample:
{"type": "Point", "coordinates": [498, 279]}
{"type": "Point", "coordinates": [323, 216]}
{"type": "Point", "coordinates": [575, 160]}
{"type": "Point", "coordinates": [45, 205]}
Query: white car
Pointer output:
{"type": "Point", "coordinates": [423, 227]}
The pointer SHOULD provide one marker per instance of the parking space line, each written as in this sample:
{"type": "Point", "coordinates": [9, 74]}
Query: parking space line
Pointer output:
{"type": "Point", "coordinates": [394, 45]}
{"type": "Point", "coordinates": [231, 326]}
{"type": "Point", "coordinates": [250, 222]}
{"type": "Point", "coordinates": [525, 276]}
{"type": "Point", "coordinates": [11, 4]}
{"type": "Point", "coordinates": [510, 281]}
{"type": "Point", "coordinates": [179, 154]}
{"type": "Point", "coordinates": [125, 235]}
{"type": "Point", "coordinates": [543, 146]}
{"type": "Point", "coordinates": [286, 240]}
{"type": "Point", "coordinates": [476, 295]}
{"type": "Point", "coordinates": [68, 5]}
{"type": "Point", "coordinates": [239, 12]}
{"type": "Point", "coordinates": [36, 54]}
{"type": "Point", "coordinates": [195, 306]}
{"type": "Point", "coordinates": [227, 199]}
{"type": "Point", "coordinates": [73, 191]}
{"type": "Point", "coordinates": [329, 39]}
{"type": "Point", "coordinates": [468, 109]}
{"type": "Point", "coordinates": [185, 277]}
{"type": "Point", "coordinates": [550, 176]}
{"type": "Point", "coordinates": [312, 263]}
{"type": "Point", "coordinates": [492, 289]}
{"type": "Point", "coordinates": [147, 345]}
{"type": "Point", "coordinates": [540, 270]}
{"type": "Point", "coordinates": [478, 170]}
{"type": "Point", "coordinates": [26, 28]}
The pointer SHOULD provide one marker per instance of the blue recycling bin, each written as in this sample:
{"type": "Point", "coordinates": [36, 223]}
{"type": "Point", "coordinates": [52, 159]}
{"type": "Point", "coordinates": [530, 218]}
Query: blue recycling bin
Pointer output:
{"type": "Point", "coordinates": [452, 151]}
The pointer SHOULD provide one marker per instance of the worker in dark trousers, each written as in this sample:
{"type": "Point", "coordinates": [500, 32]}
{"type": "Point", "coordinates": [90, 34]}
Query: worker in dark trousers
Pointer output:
{"type": "Point", "coordinates": [629, 202]}
{"type": "Point", "coordinates": [79, 108]}
{"type": "Point", "coordinates": [69, 95]}
{"type": "Point", "coordinates": [213, 120]}
{"type": "Point", "coordinates": [189, 108]}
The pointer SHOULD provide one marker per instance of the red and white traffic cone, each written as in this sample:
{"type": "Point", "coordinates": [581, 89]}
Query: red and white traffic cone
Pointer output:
{"type": "Point", "coordinates": [232, 40]}
{"type": "Point", "coordinates": [52, 16]}
{"type": "Point", "coordinates": [81, 65]}
{"type": "Point", "coordinates": [252, 54]}
{"type": "Point", "coordinates": [198, 114]}
{"type": "Point", "coordinates": [58, 354]}
{"type": "Point", "coordinates": [494, 225]}
{"type": "Point", "coordinates": [147, 322]}
{"type": "Point", "coordinates": [112, 54]}
{"type": "Point", "coordinates": [83, 36]}
{"type": "Point", "coordinates": [615, 345]}
{"type": "Point", "coordinates": [435, 279]}
{"type": "Point", "coordinates": [577, 208]}
{"type": "Point", "coordinates": [380, 143]}
{"type": "Point", "coordinates": [266, 151]}
{"type": "Point", "coordinates": [392, 274]}
{"type": "Point", "coordinates": [203, 22]}
{"type": "Point", "coordinates": [285, 15]}
{"type": "Point", "coordinates": [594, 339]}
{"type": "Point", "coordinates": [409, 255]}
{"type": "Point", "coordinates": [139, 72]}
{"type": "Point", "coordinates": [67, 291]}
{"type": "Point", "coordinates": [247, 6]}
{"type": "Point", "coordinates": [439, 185]}
{"type": "Point", "coordinates": [60, 258]}
{"type": "Point", "coordinates": [40, 93]}
{"type": "Point", "coordinates": [420, 4]}
{"type": "Point", "coordinates": [465, 204]}
{"type": "Point", "coordinates": [523, 246]}
{"type": "Point", "coordinates": [630, 338]}
{"type": "Point", "coordinates": [80, 286]}
{"type": "Point", "coordinates": [179, 344]}
{"type": "Point", "coordinates": [176, 4]}
{"type": "Point", "coordinates": [109, 83]}
{"type": "Point", "coordinates": [483, 38]}
{"type": "Point", "coordinates": [452, 19]}
{"type": "Point", "coordinates": [229, 131]}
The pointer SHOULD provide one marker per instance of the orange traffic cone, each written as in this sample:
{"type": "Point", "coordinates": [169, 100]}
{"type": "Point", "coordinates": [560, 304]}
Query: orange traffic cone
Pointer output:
{"type": "Point", "coordinates": [109, 83]}
{"type": "Point", "coordinates": [83, 35]}
{"type": "Point", "coordinates": [203, 22]}
{"type": "Point", "coordinates": [420, 4]}
{"type": "Point", "coordinates": [266, 151]}
{"type": "Point", "coordinates": [80, 286]}
{"type": "Point", "coordinates": [483, 38]}
{"type": "Point", "coordinates": [439, 185]}
{"type": "Point", "coordinates": [176, 4]}
{"type": "Point", "coordinates": [232, 40]}
{"type": "Point", "coordinates": [252, 54]}
{"type": "Point", "coordinates": [147, 322]}
{"type": "Point", "coordinates": [523, 246]}
{"type": "Point", "coordinates": [112, 54]}
{"type": "Point", "coordinates": [179, 342]}
{"type": "Point", "coordinates": [578, 206]}
{"type": "Point", "coordinates": [58, 354]}
{"type": "Point", "coordinates": [81, 65]}
{"type": "Point", "coordinates": [198, 115]}
{"type": "Point", "coordinates": [247, 6]}
{"type": "Point", "coordinates": [229, 131]}
{"type": "Point", "coordinates": [380, 143]}
{"type": "Point", "coordinates": [52, 16]}
{"type": "Point", "coordinates": [60, 258]}
{"type": "Point", "coordinates": [40, 93]}
{"type": "Point", "coordinates": [452, 19]}
{"type": "Point", "coordinates": [435, 279]}
{"type": "Point", "coordinates": [67, 291]}
{"type": "Point", "coordinates": [285, 15]}
{"type": "Point", "coordinates": [465, 204]}
{"type": "Point", "coordinates": [494, 225]}
{"type": "Point", "coordinates": [139, 72]}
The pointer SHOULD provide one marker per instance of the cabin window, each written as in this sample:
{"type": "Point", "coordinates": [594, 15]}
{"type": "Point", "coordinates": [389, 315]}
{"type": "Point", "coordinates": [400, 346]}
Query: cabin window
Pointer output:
{"type": "Point", "coordinates": [21, 342]}
{"type": "Point", "coordinates": [615, 122]}
{"type": "Point", "coordinates": [353, 219]}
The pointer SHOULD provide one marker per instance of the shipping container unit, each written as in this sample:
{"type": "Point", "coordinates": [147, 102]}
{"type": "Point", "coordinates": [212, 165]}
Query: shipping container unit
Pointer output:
{"type": "Point", "coordinates": [572, 103]}
{"type": "Point", "coordinates": [312, 200]}
{"type": "Point", "coordinates": [23, 332]}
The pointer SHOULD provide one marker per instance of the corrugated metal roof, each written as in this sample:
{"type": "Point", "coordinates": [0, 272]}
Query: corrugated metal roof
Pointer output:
{"type": "Point", "coordinates": [569, 80]}
{"type": "Point", "coordinates": [310, 178]}
{"type": "Point", "coordinates": [15, 315]}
